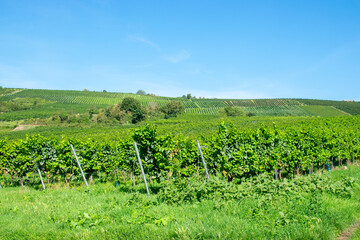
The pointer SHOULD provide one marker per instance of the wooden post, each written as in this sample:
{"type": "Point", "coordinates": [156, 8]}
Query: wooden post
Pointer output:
{"type": "Point", "coordinates": [203, 160]}
{"type": "Point", "coordinates": [82, 173]}
{"type": "Point", "coordinates": [141, 167]}
{"type": "Point", "coordinates": [39, 172]}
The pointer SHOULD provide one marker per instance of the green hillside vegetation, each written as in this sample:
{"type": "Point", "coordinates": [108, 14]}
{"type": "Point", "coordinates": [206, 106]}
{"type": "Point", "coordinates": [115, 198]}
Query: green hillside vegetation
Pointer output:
{"type": "Point", "coordinates": [6, 91]}
{"type": "Point", "coordinates": [17, 104]}
{"type": "Point", "coordinates": [323, 111]}
{"type": "Point", "coordinates": [348, 107]}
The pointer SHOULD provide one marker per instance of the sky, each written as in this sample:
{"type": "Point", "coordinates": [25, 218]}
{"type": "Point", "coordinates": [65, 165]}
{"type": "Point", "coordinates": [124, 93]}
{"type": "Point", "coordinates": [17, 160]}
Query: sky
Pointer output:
{"type": "Point", "coordinates": [209, 48]}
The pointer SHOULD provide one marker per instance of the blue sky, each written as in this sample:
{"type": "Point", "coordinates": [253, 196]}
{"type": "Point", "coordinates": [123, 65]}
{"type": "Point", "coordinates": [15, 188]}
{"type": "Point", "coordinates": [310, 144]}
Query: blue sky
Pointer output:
{"type": "Point", "coordinates": [209, 48]}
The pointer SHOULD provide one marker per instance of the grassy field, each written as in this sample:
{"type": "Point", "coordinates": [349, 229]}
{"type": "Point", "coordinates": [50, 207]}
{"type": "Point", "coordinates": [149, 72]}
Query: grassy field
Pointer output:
{"type": "Point", "coordinates": [109, 212]}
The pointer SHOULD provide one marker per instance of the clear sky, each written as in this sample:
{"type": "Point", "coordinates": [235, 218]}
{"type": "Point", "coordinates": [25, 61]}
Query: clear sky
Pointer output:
{"type": "Point", "coordinates": [209, 48]}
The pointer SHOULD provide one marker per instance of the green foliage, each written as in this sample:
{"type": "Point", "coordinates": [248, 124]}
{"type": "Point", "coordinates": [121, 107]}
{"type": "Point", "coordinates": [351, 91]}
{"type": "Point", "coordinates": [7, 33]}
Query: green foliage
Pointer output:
{"type": "Point", "coordinates": [117, 113]}
{"type": "Point", "coordinates": [302, 208]}
{"type": "Point", "coordinates": [234, 111]}
{"type": "Point", "coordinates": [348, 107]}
{"type": "Point", "coordinates": [141, 92]}
{"type": "Point", "coordinates": [196, 189]}
{"type": "Point", "coordinates": [133, 106]}
{"type": "Point", "coordinates": [232, 152]}
{"type": "Point", "coordinates": [173, 108]}
{"type": "Point", "coordinates": [18, 104]}
{"type": "Point", "coordinates": [154, 150]}
{"type": "Point", "coordinates": [79, 101]}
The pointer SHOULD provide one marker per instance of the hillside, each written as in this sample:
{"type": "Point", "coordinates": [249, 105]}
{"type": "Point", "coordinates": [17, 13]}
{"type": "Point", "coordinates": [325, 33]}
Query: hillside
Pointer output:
{"type": "Point", "coordinates": [44, 103]}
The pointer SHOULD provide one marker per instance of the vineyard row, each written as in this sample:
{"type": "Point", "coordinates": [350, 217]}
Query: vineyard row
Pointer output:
{"type": "Point", "coordinates": [231, 152]}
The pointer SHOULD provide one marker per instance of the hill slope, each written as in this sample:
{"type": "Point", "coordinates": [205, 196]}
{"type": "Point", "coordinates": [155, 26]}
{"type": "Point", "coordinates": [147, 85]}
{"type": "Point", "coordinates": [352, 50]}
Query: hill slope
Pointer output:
{"type": "Point", "coordinates": [55, 101]}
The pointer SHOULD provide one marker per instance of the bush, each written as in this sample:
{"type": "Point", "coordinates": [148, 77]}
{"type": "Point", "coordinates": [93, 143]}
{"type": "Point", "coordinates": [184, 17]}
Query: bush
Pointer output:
{"type": "Point", "coordinates": [233, 111]}
{"type": "Point", "coordinates": [133, 106]}
{"type": "Point", "coordinates": [173, 108]}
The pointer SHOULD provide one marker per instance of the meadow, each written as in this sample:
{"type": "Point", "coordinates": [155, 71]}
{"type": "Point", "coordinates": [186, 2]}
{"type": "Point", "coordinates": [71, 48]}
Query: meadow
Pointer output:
{"type": "Point", "coordinates": [319, 206]}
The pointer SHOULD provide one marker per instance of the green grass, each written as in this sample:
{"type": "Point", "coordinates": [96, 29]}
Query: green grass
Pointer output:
{"type": "Point", "coordinates": [109, 213]}
{"type": "Point", "coordinates": [323, 111]}
{"type": "Point", "coordinates": [352, 108]}
{"type": "Point", "coordinates": [6, 91]}
{"type": "Point", "coordinates": [356, 235]}
{"type": "Point", "coordinates": [6, 127]}
{"type": "Point", "coordinates": [46, 111]}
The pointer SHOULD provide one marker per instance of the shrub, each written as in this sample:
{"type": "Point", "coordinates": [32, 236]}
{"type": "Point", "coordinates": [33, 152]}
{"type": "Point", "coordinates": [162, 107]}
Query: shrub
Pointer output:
{"type": "Point", "coordinates": [234, 111]}
{"type": "Point", "coordinates": [173, 108]}
{"type": "Point", "coordinates": [133, 106]}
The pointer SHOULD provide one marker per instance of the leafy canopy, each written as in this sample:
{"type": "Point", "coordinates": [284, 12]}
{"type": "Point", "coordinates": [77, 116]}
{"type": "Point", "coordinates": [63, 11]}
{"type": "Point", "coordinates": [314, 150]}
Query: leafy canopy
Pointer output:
{"type": "Point", "coordinates": [173, 108]}
{"type": "Point", "coordinates": [133, 106]}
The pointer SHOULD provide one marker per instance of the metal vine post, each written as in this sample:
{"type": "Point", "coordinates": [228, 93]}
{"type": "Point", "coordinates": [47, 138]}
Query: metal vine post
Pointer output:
{"type": "Point", "coordinates": [141, 167]}
{"type": "Point", "coordinates": [203, 160]}
{"type": "Point", "coordinates": [39, 172]}
{"type": "Point", "coordinates": [82, 173]}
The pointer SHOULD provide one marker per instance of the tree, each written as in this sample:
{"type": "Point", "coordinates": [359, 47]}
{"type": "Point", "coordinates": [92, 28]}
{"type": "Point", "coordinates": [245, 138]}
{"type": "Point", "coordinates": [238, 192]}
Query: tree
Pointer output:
{"type": "Point", "coordinates": [173, 108]}
{"type": "Point", "coordinates": [133, 106]}
{"type": "Point", "coordinates": [141, 92]}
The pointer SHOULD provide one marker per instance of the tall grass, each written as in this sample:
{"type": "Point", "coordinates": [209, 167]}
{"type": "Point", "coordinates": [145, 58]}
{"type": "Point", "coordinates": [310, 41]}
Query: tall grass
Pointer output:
{"type": "Point", "coordinates": [109, 212]}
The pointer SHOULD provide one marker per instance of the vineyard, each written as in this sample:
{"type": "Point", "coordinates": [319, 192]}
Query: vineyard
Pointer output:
{"type": "Point", "coordinates": [269, 172]}
{"type": "Point", "coordinates": [232, 153]}
{"type": "Point", "coordinates": [268, 176]}
{"type": "Point", "coordinates": [81, 101]}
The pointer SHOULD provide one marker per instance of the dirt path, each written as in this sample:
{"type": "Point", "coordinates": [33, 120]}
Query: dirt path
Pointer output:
{"type": "Point", "coordinates": [11, 93]}
{"type": "Point", "coordinates": [348, 232]}
{"type": "Point", "coordinates": [25, 127]}
{"type": "Point", "coordinates": [341, 111]}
